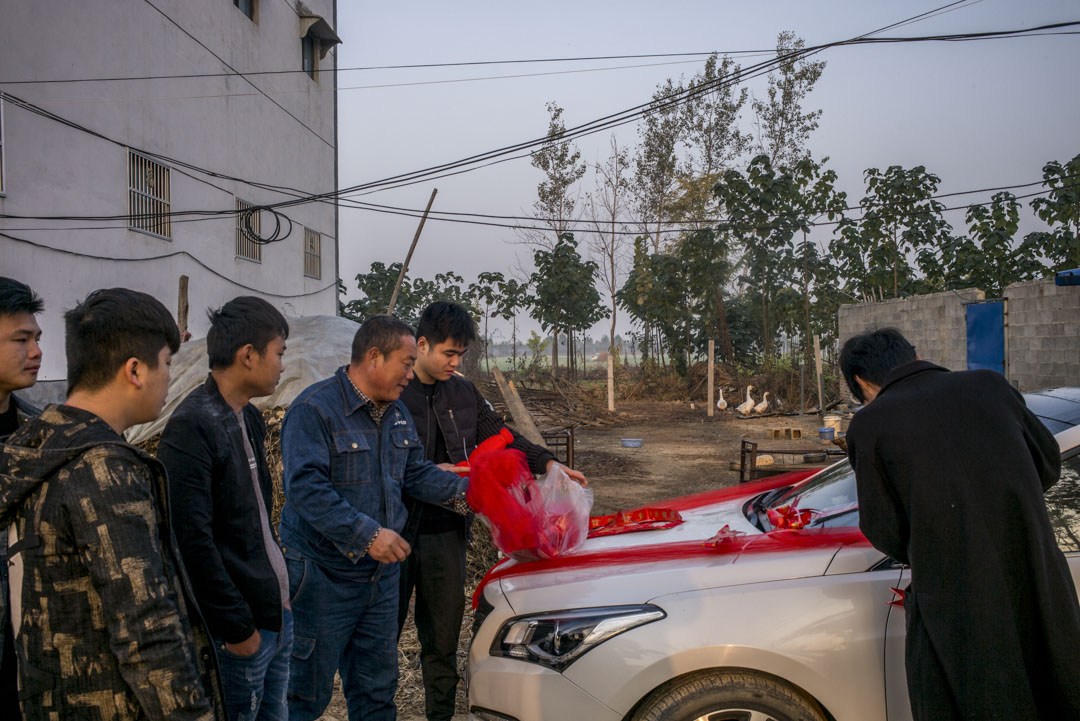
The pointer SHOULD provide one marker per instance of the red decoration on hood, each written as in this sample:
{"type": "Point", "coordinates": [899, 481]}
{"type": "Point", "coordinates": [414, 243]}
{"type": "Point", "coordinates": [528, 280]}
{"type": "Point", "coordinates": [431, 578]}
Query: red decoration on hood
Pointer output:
{"type": "Point", "coordinates": [772, 542]}
{"type": "Point", "coordinates": [724, 535]}
{"type": "Point", "coordinates": [637, 519]}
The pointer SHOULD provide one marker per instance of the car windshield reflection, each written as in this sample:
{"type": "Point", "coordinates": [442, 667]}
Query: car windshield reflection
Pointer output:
{"type": "Point", "coordinates": [828, 500]}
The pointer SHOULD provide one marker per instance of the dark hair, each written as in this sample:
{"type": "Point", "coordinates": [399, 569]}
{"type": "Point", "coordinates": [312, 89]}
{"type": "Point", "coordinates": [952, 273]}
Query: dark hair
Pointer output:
{"type": "Point", "coordinates": [379, 331]}
{"type": "Point", "coordinates": [242, 320]}
{"type": "Point", "coordinates": [111, 326]}
{"type": "Point", "coordinates": [16, 297]}
{"type": "Point", "coordinates": [872, 356]}
{"type": "Point", "coordinates": [443, 319]}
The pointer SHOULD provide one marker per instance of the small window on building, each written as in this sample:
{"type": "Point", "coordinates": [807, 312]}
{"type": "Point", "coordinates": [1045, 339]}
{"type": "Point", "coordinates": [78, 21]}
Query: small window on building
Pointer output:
{"type": "Point", "coordinates": [316, 39]}
{"type": "Point", "coordinates": [248, 229]}
{"type": "Point", "coordinates": [246, 6]}
{"type": "Point", "coordinates": [312, 254]}
{"type": "Point", "coordinates": [148, 196]}
{"type": "Point", "coordinates": [308, 58]}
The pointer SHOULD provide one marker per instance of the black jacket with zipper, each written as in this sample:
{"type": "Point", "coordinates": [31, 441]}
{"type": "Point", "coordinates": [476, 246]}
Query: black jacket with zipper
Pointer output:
{"type": "Point", "coordinates": [215, 514]}
{"type": "Point", "coordinates": [460, 414]}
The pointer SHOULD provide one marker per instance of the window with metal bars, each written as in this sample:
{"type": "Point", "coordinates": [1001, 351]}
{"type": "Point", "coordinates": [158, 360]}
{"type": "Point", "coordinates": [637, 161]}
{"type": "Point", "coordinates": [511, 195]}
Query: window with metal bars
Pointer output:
{"type": "Point", "coordinates": [312, 253]}
{"type": "Point", "coordinates": [148, 196]}
{"type": "Point", "coordinates": [248, 228]}
{"type": "Point", "coordinates": [246, 6]}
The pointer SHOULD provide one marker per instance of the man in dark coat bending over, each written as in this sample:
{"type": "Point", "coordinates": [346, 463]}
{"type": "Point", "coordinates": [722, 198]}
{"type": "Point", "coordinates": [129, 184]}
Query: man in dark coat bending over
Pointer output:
{"type": "Point", "coordinates": [951, 469]}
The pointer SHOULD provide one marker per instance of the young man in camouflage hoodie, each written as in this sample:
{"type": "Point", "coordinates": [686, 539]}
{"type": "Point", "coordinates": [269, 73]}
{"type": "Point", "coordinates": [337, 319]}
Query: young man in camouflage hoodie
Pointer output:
{"type": "Point", "coordinates": [105, 624]}
{"type": "Point", "coordinates": [20, 360]}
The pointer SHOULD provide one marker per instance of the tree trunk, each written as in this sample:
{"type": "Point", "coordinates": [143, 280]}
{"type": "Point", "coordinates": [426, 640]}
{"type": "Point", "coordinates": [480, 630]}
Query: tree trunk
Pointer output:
{"type": "Point", "coordinates": [554, 352]}
{"type": "Point", "coordinates": [766, 344]}
{"type": "Point", "coordinates": [722, 326]}
{"type": "Point", "coordinates": [487, 355]}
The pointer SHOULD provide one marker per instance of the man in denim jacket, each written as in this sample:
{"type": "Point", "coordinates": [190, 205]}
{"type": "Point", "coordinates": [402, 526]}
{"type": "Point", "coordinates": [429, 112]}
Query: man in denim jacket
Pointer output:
{"type": "Point", "coordinates": [349, 449]}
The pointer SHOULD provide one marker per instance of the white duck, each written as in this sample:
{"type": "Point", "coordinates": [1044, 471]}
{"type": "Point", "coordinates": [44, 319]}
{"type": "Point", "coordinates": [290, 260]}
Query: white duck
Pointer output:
{"type": "Point", "coordinates": [748, 406]}
{"type": "Point", "coordinates": [764, 405]}
{"type": "Point", "coordinates": [721, 404]}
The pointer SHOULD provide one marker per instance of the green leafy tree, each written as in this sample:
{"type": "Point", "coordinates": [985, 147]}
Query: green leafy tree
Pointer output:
{"type": "Point", "coordinates": [1060, 209]}
{"type": "Point", "coordinates": [377, 286]}
{"type": "Point", "coordinates": [901, 219]}
{"type": "Point", "coordinates": [764, 210]}
{"type": "Point", "coordinates": [783, 127]}
{"type": "Point", "coordinates": [511, 298]}
{"type": "Point", "coordinates": [485, 292]}
{"type": "Point", "coordinates": [565, 295]}
{"type": "Point", "coordinates": [988, 258]}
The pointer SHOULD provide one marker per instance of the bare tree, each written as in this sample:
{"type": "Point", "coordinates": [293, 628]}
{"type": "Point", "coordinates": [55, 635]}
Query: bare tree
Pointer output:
{"type": "Point", "coordinates": [783, 128]}
{"type": "Point", "coordinates": [656, 163]}
{"type": "Point", "coordinates": [608, 206]}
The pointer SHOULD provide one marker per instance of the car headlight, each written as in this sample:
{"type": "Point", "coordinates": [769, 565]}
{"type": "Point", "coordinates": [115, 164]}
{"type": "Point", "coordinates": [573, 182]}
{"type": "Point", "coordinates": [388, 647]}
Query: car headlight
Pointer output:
{"type": "Point", "coordinates": [558, 638]}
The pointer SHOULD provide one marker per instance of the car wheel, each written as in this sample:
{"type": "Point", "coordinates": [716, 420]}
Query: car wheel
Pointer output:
{"type": "Point", "coordinates": [732, 696]}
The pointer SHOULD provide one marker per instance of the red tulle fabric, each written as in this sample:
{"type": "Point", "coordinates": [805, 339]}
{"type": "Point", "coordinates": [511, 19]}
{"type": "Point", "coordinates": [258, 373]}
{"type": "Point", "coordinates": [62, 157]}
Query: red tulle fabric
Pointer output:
{"type": "Point", "coordinates": [527, 521]}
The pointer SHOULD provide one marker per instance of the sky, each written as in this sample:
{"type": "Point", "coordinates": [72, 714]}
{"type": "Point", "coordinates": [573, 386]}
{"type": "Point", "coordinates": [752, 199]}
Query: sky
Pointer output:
{"type": "Point", "coordinates": [977, 114]}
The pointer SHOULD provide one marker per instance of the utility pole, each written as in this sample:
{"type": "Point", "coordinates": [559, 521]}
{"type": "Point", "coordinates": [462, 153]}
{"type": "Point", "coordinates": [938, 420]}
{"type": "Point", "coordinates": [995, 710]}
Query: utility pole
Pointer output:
{"type": "Point", "coordinates": [405, 267]}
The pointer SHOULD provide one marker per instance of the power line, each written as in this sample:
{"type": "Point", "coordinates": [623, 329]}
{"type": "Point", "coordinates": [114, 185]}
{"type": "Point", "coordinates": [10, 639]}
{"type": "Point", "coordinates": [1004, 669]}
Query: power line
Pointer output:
{"type": "Point", "coordinates": [230, 67]}
{"type": "Point", "coordinates": [174, 254]}
{"type": "Point", "coordinates": [376, 86]}
{"type": "Point", "coordinates": [489, 220]}
{"type": "Point", "coordinates": [415, 66]}
{"type": "Point", "coordinates": [472, 162]}
{"type": "Point", "coordinates": [632, 114]}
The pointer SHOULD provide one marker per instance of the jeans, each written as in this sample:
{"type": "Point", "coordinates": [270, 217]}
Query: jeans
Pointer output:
{"type": "Point", "coordinates": [346, 624]}
{"type": "Point", "coordinates": [436, 571]}
{"type": "Point", "coordinates": [255, 685]}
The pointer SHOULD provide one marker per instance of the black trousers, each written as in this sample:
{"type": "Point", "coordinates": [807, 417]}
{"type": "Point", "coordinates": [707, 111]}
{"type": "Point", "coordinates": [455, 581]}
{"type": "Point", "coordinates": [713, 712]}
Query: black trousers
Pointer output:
{"type": "Point", "coordinates": [435, 570]}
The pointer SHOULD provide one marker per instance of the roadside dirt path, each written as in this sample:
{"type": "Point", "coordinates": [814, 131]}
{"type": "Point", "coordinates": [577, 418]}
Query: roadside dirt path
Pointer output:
{"type": "Point", "coordinates": [683, 451]}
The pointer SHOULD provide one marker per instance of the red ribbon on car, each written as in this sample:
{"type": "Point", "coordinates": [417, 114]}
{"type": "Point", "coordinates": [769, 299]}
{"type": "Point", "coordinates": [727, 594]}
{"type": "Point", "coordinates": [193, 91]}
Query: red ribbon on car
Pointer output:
{"type": "Point", "coordinates": [638, 519]}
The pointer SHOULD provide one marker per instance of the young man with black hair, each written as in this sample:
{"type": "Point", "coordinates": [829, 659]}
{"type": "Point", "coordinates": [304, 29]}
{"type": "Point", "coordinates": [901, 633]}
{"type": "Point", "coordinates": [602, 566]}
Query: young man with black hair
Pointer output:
{"type": "Point", "coordinates": [20, 360]}
{"type": "Point", "coordinates": [951, 468]}
{"type": "Point", "coordinates": [105, 622]}
{"type": "Point", "coordinates": [452, 418]}
{"type": "Point", "coordinates": [214, 450]}
{"type": "Point", "coordinates": [350, 449]}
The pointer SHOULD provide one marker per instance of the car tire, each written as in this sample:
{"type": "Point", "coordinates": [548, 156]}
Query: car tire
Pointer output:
{"type": "Point", "coordinates": [727, 696]}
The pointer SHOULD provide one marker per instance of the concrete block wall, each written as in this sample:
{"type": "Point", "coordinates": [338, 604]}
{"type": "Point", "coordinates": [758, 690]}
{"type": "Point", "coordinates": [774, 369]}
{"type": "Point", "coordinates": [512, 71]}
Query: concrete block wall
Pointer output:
{"type": "Point", "coordinates": [935, 323]}
{"type": "Point", "coordinates": [1043, 334]}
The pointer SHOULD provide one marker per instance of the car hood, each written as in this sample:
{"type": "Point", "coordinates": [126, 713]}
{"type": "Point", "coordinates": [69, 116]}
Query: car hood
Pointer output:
{"type": "Point", "coordinates": [636, 567]}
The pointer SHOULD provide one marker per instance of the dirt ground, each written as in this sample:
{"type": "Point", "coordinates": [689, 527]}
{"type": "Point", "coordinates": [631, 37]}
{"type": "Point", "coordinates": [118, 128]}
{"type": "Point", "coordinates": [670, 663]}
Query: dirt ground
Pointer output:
{"type": "Point", "coordinates": [683, 451]}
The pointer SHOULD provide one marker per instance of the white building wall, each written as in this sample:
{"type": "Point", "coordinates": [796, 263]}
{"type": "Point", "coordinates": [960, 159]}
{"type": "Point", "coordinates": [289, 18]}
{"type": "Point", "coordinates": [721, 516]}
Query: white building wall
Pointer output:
{"type": "Point", "coordinates": [221, 124]}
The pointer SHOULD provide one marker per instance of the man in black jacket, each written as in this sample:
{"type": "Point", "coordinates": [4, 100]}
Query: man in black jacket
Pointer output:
{"type": "Point", "coordinates": [951, 469]}
{"type": "Point", "coordinates": [451, 418]}
{"type": "Point", "coordinates": [213, 449]}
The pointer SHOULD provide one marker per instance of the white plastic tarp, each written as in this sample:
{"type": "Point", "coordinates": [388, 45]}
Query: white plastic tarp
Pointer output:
{"type": "Point", "coordinates": [317, 346]}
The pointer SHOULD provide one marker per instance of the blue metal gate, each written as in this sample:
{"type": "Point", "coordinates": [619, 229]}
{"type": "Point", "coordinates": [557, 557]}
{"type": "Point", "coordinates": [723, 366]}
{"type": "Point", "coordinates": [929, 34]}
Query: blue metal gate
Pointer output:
{"type": "Point", "coordinates": [986, 335]}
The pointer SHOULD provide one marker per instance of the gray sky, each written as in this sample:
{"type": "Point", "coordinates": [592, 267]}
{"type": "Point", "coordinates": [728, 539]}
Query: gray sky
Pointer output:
{"type": "Point", "coordinates": [978, 114]}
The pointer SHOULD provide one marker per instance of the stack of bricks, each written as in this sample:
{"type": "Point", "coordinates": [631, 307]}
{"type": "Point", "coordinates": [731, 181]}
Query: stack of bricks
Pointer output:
{"type": "Point", "coordinates": [935, 323]}
{"type": "Point", "coordinates": [1043, 334]}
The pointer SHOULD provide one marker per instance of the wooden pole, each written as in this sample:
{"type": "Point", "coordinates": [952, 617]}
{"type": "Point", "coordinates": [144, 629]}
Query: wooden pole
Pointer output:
{"type": "Point", "coordinates": [405, 267]}
{"type": "Point", "coordinates": [522, 420]}
{"type": "Point", "coordinates": [712, 382]}
{"type": "Point", "coordinates": [820, 388]}
{"type": "Point", "coordinates": [610, 383]}
{"type": "Point", "coordinates": [182, 307]}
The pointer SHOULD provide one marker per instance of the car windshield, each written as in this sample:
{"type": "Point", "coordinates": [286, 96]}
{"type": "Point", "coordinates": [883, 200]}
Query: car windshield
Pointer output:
{"type": "Point", "coordinates": [829, 496]}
